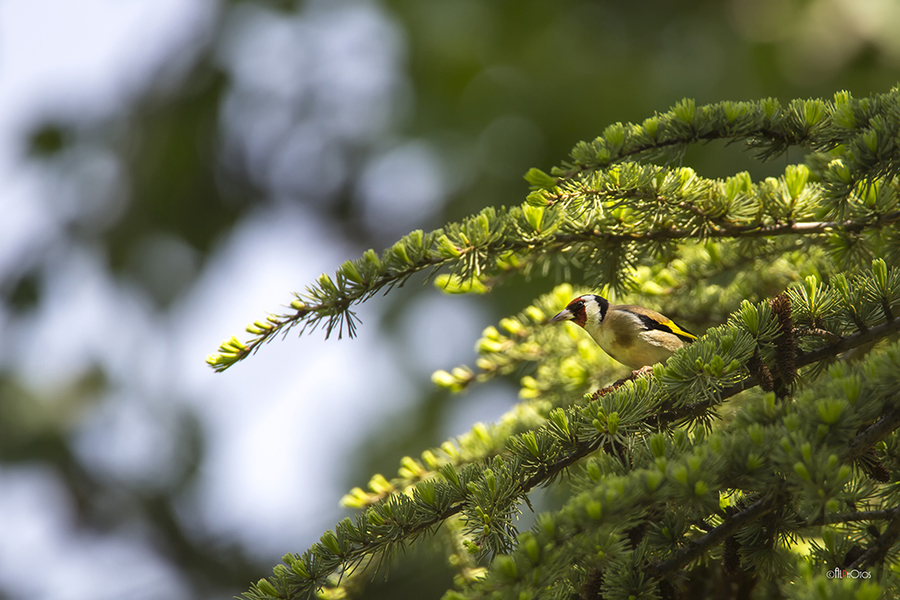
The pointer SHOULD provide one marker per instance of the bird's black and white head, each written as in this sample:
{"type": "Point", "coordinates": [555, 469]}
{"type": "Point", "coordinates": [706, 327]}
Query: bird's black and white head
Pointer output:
{"type": "Point", "coordinates": [584, 310]}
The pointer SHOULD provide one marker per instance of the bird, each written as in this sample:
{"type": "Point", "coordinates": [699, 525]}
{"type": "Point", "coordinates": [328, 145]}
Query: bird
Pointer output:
{"type": "Point", "coordinates": [635, 336]}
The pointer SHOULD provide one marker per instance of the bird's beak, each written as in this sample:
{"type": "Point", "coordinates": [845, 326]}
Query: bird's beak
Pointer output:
{"type": "Point", "coordinates": [563, 315]}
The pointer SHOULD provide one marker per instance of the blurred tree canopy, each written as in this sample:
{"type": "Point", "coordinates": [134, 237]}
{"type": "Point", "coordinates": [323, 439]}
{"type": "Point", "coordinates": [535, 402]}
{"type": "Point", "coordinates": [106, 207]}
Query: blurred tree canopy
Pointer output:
{"type": "Point", "coordinates": [309, 103]}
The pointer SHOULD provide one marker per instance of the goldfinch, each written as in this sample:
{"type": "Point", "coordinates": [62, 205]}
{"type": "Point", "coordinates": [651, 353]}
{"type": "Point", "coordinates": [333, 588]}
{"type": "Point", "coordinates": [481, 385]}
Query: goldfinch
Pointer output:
{"type": "Point", "coordinates": [633, 335]}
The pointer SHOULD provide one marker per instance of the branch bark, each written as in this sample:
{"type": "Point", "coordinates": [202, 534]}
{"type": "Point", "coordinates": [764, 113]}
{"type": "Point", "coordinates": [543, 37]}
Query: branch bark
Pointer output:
{"type": "Point", "coordinates": [693, 550]}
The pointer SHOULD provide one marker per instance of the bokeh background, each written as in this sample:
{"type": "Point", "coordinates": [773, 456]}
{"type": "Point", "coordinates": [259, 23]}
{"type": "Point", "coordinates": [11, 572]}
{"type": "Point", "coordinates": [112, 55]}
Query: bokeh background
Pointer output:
{"type": "Point", "coordinates": [171, 170]}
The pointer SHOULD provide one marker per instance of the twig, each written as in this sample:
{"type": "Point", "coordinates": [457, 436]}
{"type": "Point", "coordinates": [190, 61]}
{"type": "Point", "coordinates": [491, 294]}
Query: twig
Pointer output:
{"type": "Point", "coordinates": [818, 332]}
{"type": "Point", "coordinates": [872, 435]}
{"type": "Point", "coordinates": [867, 515]}
{"type": "Point", "coordinates": [877, 551]}
{"type": "Point", "coordinates": [706, 541]}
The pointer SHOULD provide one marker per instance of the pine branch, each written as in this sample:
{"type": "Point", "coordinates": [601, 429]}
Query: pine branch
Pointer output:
{"type": "Point", "coordinates": [568, 429]}
{"type": "Point", "coordinates": [879, 332]}
{"type": "Point", "coordinates": [864, 126]}
{"type": "Point", "coordinates": [714, 537]}
{"type": "Point", "coordinates": [873, 434]}
{"type": "Point", "coordinates": [609, 216]}
{"type": "Point", "coordinates": [619, 499]}
{"type": "Point", "coordinates": [767, 504]}
{"type": "Point", "coordinates": [856, 448]}
{"type": "Point", "coordinates": [867, 515]}
{"type": "Point", "coordinates": [431, 503]}
{"type": "Point", "coordinates": [531, 322]}
{"type": "Point", "coordinates": [877, 551]}
{"type": "Point", "coordinates": [623, 211]}
{"type": "Point", "coordinates": [336, 307]}
{"type": "Point", "coordinates": [749, 230]}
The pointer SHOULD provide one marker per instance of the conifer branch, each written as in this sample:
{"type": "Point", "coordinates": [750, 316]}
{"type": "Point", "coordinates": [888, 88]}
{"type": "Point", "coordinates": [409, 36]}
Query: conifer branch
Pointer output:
{"type": "Point", "coordinates": [767, 504]}
{"type": "Point", "coordinates": [856, 448]}
{"type": "Point", "coordinates": [863, 515]}
{"type": "Point", "coordinates": [624, 210]}
{"type": "Point", "coordinates": [669, 411]}
{"type": "Point", "coordinates": [873, 434]}
{"type": "Point", "coordinates": [340, 296]}
{"type": "Point", "coordinates": [879, 549]}
{"type": "Point", "coordinates": [776, 492]}
{"type": "Point", "coordinates": [879, 332]}
{"type": "Point", "coordinates": [864, 126]}
{"type": "Point", "coordinates": [717, 535]}
{"type": "Point", "coordinates": [611, 216]}
{"type": "Point", "coordinates": [432, 507]}
{"type": "Point", "coordinates": [749, 230]}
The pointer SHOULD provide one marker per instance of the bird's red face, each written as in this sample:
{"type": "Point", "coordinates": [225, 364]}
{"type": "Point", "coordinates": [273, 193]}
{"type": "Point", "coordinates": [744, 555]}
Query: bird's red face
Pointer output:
{"type": "Point", "coordinates": [574, 312]}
